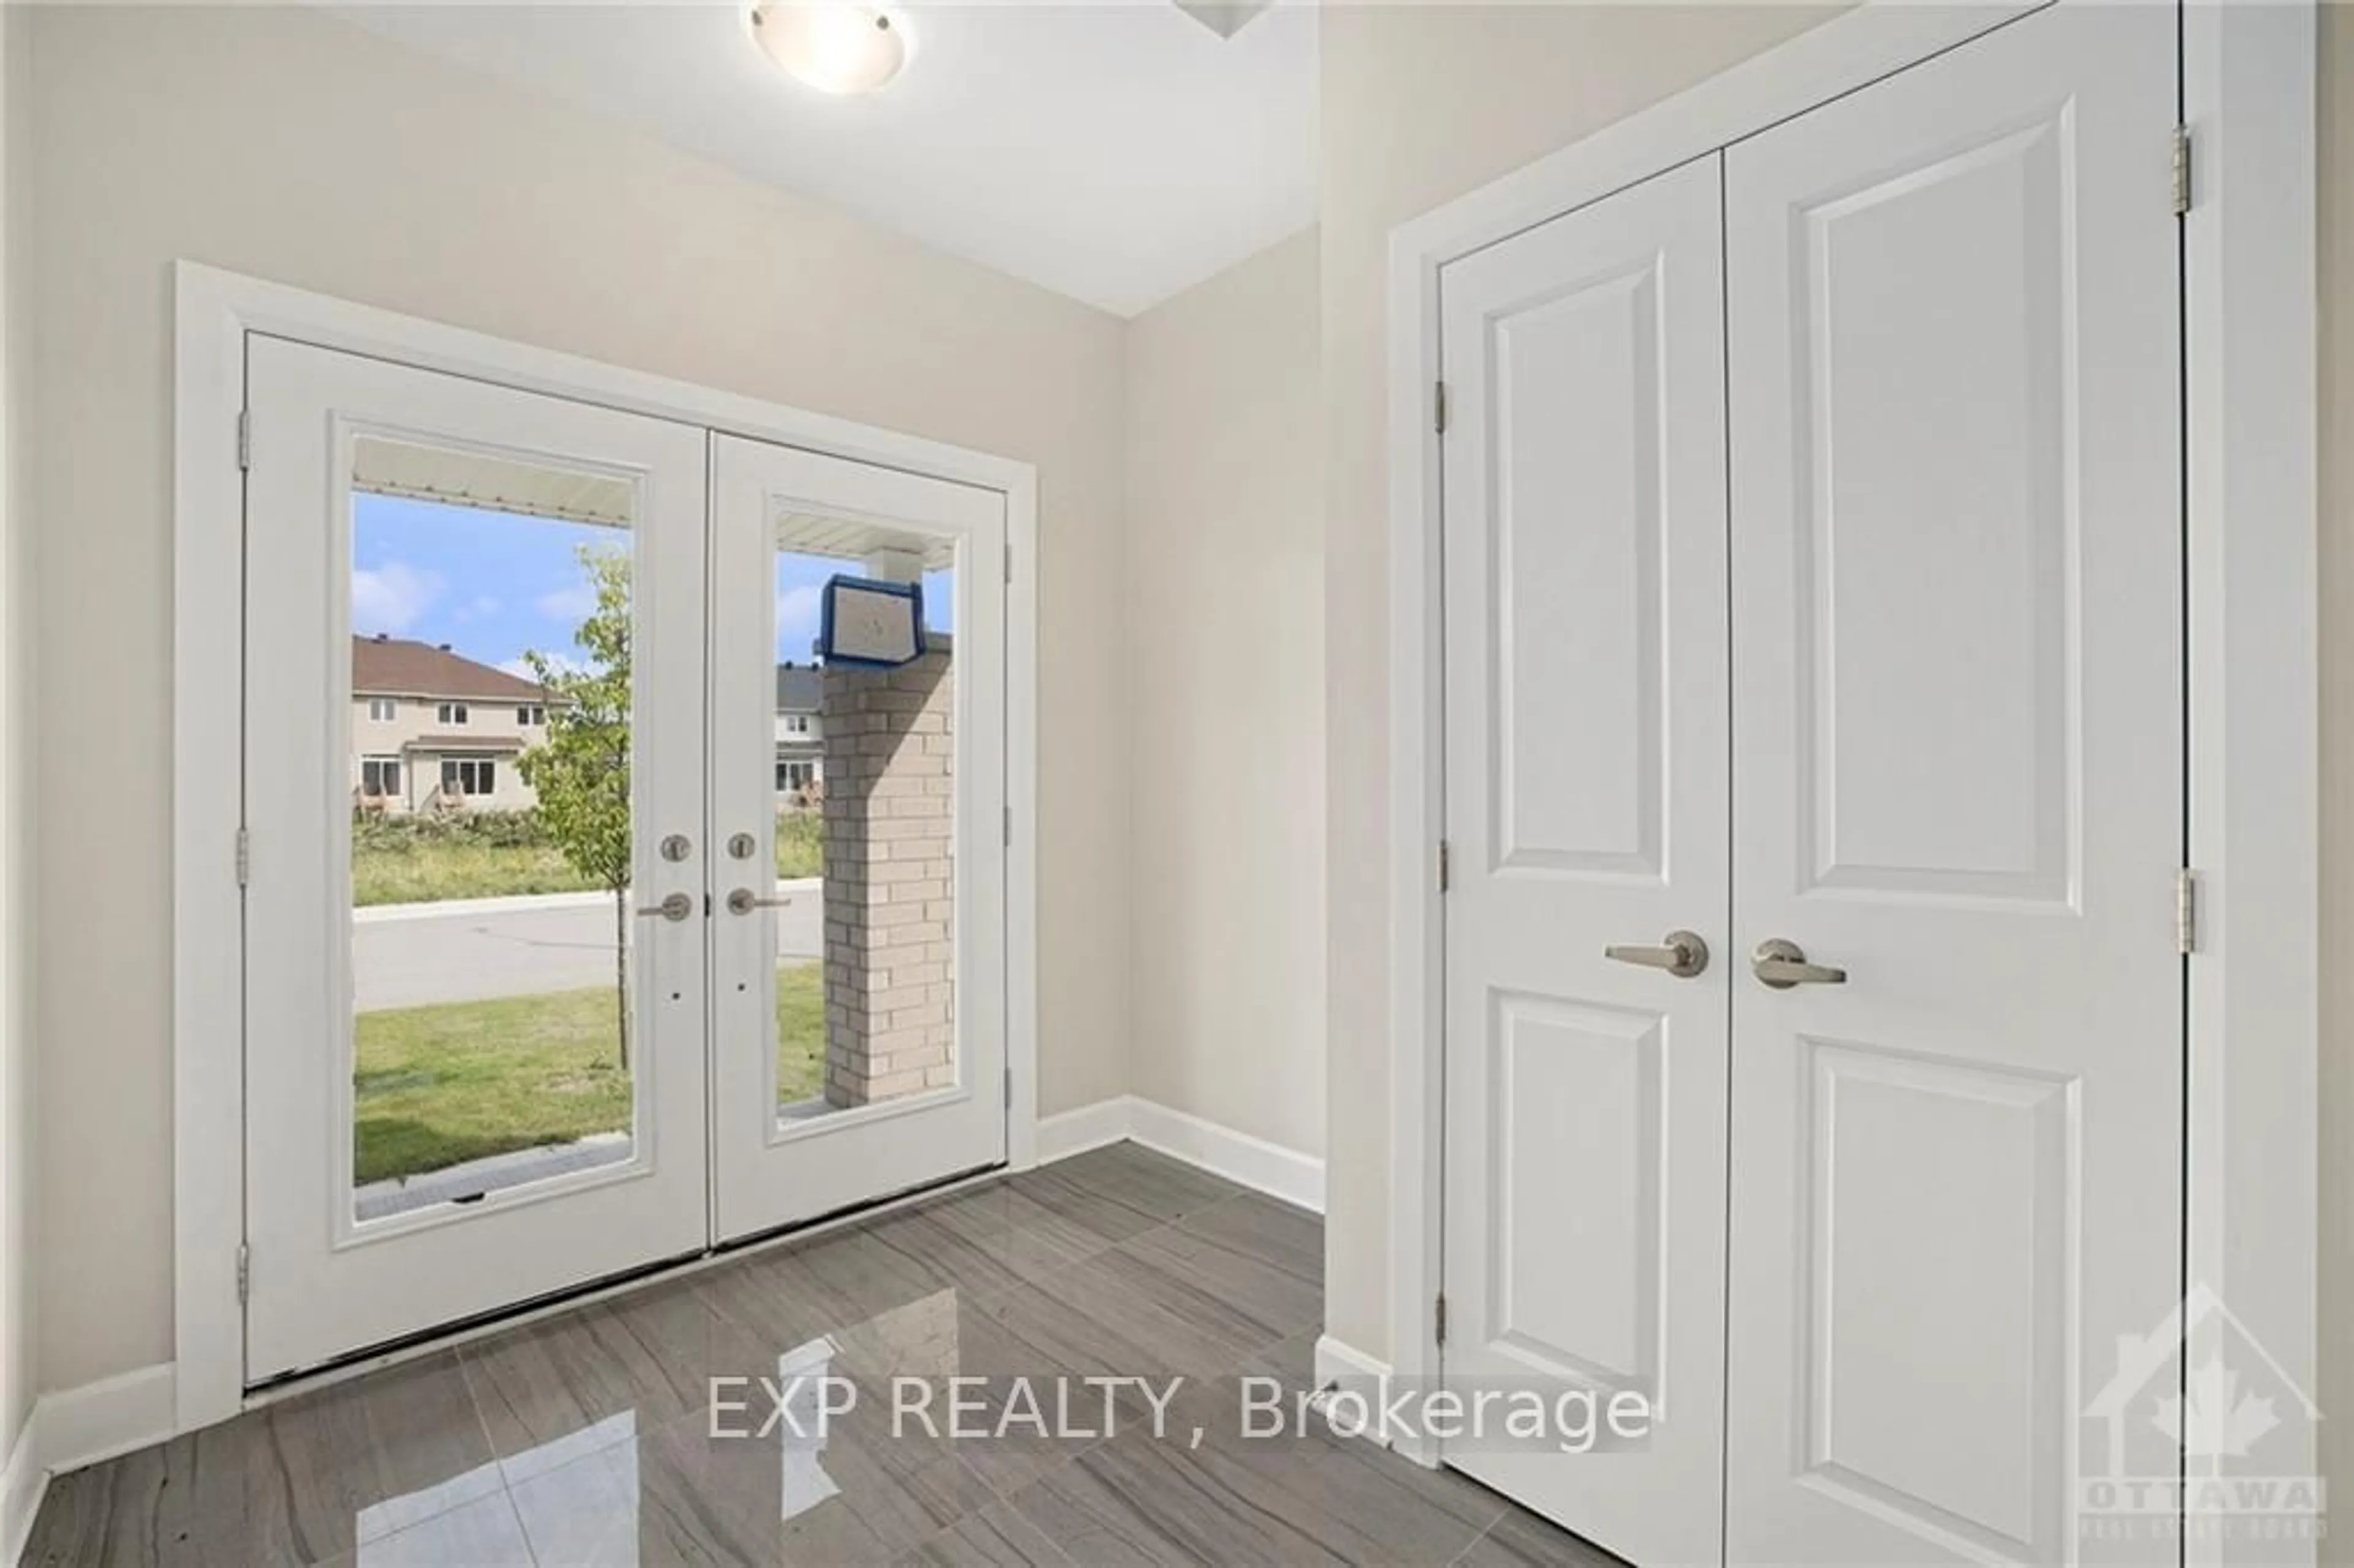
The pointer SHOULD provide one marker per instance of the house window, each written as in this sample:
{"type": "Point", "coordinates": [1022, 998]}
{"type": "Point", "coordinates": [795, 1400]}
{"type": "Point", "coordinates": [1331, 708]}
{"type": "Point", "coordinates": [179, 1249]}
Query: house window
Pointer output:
{"type": "Point", "coordinates": [795, 774]}
{"type": "Point", "coordinates": [380, 776]}
{"type": "Point", "coordinates": [797, 724]}
{"type": "Point", "coordinates": [453, 713]}
{"type": "Point", "coordinates": [381, 710]}
{"type": "Point", "coordinates": [469, 776]}
{"type": "Point", "coordinates": [531, 716]}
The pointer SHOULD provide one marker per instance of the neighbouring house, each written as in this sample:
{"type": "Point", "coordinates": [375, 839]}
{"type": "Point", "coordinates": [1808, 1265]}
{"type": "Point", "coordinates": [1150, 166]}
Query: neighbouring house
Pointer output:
{"type": "Point", "coordinates": [433, 730]}
{"type": "Point", "coordinates": [801, 731]}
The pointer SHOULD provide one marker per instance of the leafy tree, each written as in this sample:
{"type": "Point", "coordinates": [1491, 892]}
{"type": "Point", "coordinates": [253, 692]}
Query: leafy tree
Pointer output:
{"type": "Point", "coordinates": [581, 770]}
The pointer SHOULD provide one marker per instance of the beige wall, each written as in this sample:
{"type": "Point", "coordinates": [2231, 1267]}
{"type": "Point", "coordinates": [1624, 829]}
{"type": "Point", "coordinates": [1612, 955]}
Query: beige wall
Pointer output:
{"type": "Point", "coordinates": [1421, 104]}
{"type": "Point", "coordinates": [278, 140]}
{"type": "Point", "coordinates": [19, 1259]}
{"type": "Point", "coordinates": [1226, 648]}
{"type": "Point", "coordinates": [2336, 1395]}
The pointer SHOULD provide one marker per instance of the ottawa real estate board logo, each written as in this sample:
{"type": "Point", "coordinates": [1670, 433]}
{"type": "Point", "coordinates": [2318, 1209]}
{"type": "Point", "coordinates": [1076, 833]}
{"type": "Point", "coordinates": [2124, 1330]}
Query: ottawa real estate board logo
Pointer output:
{"type": "Point", "coordinates": [2199, 1429]}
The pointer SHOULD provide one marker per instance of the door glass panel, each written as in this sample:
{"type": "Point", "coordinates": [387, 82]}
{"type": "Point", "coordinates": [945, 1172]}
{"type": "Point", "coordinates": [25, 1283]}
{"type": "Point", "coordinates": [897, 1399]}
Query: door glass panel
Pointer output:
{"type": "Point", "coordinates": [490, 826]}
{"type": "Point", "coordinates": [863, 767]}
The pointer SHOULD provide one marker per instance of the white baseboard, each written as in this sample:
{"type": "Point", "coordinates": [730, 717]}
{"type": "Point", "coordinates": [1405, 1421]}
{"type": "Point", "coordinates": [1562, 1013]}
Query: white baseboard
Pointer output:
{"type": "Point", "coordinates": [77, 1427]}
{"type": "Point", "coordinates": [1343, 1368]}
{"type": "Point", "coordinates": [82, 1426]}
{"type": "Point", "coordinates": [1070, 1132]}
{"type": "Point", "coordinates": [1239, 1157]}
{"type": "Point", "coordinates": [22, 1483]}
{"type": "Point", "coordinates": [1268, 1168]}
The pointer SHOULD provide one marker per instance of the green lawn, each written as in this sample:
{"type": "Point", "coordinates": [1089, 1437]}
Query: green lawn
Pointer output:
{"type": "Point", "coordinates": [440, 1085]}
{"type": "Point", "coordinates": [800, 1033]}
{"type": "Point", "coordinates": [396, 869]}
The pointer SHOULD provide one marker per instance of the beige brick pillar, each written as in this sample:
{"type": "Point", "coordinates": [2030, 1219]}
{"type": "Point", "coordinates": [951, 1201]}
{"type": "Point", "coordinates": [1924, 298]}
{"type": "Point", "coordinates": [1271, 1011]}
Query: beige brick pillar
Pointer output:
{"type": "Point", "coordinates": [890, 1020]}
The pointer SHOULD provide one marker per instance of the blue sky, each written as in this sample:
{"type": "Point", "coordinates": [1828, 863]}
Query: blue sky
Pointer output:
{"type": "Point", "coordinates": [492, 584]}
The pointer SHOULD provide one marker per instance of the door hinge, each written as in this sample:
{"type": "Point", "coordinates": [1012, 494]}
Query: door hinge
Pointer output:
{"type": "Point", "coordinates": [244, 440]}
{"type": "Point", "coordinates": [1446, 865]}
{"type": "Point", "coordinates": [1008, 563]}
{"type": "Point", "coordinates": [1438, 1313]}
{"type": "Point", "coordinates": [1438, 406]}
{"type": "Point", "coordinates": [1009, 827]}
{"type": "Point", "coordinates": [1009, 1088]}
{"type": "Point", "coordinates": [2185, 911]}
{"type": "Point", "coordinates": [244, 855]}
{"type": "Point", "coordinates": [244, 1272]}
{"type": "Point", "coordinates": [2181, 170]}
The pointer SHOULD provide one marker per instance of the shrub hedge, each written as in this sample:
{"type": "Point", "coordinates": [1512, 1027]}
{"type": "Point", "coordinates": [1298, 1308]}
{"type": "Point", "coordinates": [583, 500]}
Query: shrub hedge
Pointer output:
{"type": "Point", "coordinates": [376, 830]}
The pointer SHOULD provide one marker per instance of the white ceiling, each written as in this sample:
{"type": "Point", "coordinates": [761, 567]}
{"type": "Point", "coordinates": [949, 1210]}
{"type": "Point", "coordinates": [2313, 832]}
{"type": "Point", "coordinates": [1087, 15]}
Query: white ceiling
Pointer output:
{"type": "Point", "coordinates": [1116, 153]}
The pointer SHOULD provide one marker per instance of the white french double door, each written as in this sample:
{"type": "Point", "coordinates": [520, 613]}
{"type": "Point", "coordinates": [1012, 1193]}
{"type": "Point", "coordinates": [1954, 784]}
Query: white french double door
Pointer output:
{"type": "Point", "coordinates": [588, 922]}
{"type": "Point", "coordinates": [1815, 755]}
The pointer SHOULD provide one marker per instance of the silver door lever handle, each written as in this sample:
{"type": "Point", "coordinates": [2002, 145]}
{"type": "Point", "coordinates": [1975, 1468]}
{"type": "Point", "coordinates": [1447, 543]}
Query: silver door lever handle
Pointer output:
{"type": "Point", "coordinates": [1682, 953]}
{"type": "Point", "coordinates": [677, 906]}
{"type": "Point", "coordinates": [1781, 964]}
{"type": "Point", "coordinates": [743, 902]}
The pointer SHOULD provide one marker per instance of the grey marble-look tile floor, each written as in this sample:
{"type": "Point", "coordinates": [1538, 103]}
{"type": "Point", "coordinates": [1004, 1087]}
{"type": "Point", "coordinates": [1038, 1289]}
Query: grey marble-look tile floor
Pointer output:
{"type": "Point", "coordinates": [591, 1438]}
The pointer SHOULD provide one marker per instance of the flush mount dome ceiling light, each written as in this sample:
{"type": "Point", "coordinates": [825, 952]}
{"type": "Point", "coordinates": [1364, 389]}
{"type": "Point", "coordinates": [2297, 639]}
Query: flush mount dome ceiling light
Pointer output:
{"type": "Point", "coordinates": [831, 45]}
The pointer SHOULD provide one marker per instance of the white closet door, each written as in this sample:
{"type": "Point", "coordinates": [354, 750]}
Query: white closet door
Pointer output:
{"type": "Point", "coordinates": [1959, 738]}
{"type": "Point", "coordinates": [1586, 807]}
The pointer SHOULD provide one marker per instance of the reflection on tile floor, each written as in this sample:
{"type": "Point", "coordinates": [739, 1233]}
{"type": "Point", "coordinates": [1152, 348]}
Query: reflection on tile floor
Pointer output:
{"type": "Point", "coordinates": [588, 1438]}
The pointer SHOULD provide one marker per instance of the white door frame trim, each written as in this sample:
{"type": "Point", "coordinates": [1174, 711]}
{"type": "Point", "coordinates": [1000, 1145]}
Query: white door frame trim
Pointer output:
{"type": "Point", "coordinates": [213, 312]}
{"type": "Point", "coordinates": [2248, 84]}
{"type": "Point", "coordinates": [2252, 400]}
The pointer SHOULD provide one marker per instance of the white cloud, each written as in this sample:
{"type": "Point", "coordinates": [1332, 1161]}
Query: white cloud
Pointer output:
{"type": "Point", "coordinates": [390, 597]}
{"type": "Point", "coordinates": [574, 603]}
{"type": "Point", "coordinates": [797, 614]}
{"type": "Point", "coordinates": [558, 663]}
{"type": "Point", "coordinates": [480, 606]}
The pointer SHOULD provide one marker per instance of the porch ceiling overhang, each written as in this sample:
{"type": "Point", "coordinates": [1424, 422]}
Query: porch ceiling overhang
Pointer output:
{"type": "Point", "coordinates": [494, 482]}
{"type": "Point", "coordinates": [490, 481]}
{"type": "Point", "coordinates": [855, 538]}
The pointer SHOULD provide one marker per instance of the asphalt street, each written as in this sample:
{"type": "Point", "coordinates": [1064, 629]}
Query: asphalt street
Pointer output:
{"type": "Point", "coordinates": [414, 955]}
